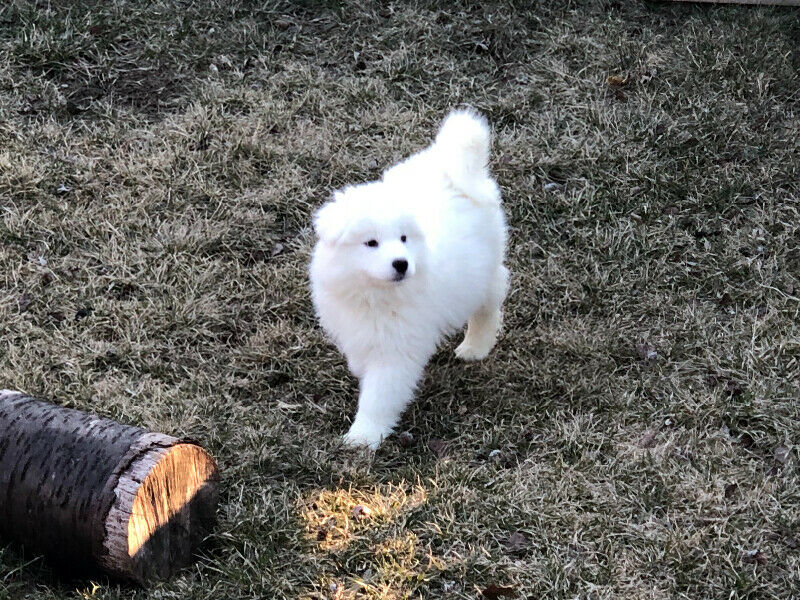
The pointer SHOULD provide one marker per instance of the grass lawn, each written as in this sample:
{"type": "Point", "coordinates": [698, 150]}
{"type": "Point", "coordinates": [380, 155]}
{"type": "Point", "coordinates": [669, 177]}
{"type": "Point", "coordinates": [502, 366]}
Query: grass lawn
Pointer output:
{"type": "Point", "coordinates": [635, 432]}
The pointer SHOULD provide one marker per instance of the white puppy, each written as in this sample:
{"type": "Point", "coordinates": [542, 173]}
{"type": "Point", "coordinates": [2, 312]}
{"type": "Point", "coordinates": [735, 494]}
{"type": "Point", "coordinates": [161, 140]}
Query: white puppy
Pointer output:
{"type": "Point", "coordinates": [403, 261]}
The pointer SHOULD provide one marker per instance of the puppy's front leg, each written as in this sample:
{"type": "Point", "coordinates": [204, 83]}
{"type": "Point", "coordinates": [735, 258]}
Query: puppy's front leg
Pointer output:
{"type": "Point", "coordinates": [384, 394]}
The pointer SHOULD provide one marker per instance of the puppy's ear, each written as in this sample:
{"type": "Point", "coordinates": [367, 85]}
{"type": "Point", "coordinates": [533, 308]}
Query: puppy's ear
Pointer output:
{"type": "Point", "coordinates": [330, 221]}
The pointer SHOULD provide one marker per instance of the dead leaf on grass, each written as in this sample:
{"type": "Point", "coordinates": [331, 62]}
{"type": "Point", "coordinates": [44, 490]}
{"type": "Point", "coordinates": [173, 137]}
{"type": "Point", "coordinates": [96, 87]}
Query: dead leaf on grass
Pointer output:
{"type": "Point", "coordinates": [782, 454]}
{"type": "Point", "coordinates": [438, 447]}
{"type": "Point", "coordinates": [754, 557]}
{"type": "Point", "coordinates": [648, 440]}
{"type": "Point", "coordinates": [498, 591]}
{"type": "Point", "coordinates": [517, 543]}
{"type": "Point", "coordinates": [617, 80]}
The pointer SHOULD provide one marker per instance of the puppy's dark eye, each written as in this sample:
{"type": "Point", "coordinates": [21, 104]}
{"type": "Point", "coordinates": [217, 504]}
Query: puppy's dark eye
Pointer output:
{"type": "Point", "coordinates": [372, 243]}
{"type": "Point", "coordinates": [403, 239]}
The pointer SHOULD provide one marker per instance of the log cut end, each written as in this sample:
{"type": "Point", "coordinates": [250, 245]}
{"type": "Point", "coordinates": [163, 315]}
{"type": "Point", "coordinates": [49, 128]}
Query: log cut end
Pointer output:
{"type": "Point", "coordinates": [165, 505]}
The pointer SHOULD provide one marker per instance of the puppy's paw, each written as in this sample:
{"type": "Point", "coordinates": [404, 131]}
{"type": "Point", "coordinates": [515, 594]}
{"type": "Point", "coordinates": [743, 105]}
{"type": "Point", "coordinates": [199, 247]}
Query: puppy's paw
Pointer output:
{"type": "Point", "coordinates": [365, 436]}
{"type": "Point", "coordinates": [469, 351]}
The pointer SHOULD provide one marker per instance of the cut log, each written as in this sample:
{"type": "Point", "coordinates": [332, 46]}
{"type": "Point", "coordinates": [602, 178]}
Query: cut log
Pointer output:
{"type": "Point", "coordinates": [93, 492]}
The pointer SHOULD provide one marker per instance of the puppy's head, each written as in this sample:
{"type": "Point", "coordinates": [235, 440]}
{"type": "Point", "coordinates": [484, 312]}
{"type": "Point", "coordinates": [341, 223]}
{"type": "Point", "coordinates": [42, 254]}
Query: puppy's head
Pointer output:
{"type": "Point", "coordinates": [365, 234]}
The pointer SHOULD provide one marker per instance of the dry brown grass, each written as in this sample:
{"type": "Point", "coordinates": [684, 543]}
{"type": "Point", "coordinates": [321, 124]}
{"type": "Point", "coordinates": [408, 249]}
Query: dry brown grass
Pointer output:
{"type": "Point", "coordinates": [154, 219]}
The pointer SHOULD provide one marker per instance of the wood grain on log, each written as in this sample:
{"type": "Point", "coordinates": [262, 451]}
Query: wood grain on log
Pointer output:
{"type": "Point", "coordinates": [97, 492]}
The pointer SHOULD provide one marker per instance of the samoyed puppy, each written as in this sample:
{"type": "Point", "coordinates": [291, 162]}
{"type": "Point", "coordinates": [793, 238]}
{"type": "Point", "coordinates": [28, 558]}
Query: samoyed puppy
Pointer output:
{"type": "Point", "coordinates": [403, 261]}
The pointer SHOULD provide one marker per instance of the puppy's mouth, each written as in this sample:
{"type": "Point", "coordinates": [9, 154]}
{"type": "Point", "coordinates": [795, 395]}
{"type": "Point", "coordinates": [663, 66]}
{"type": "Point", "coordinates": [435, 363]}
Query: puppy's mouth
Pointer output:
{"type": "Point", "coordinates": [398, 277]}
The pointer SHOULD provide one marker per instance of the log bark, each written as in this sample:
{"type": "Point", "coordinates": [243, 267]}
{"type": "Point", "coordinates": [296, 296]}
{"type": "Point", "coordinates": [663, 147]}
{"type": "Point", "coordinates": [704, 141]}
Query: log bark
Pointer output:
{"type": "Point", "coordinates": [92, 492]}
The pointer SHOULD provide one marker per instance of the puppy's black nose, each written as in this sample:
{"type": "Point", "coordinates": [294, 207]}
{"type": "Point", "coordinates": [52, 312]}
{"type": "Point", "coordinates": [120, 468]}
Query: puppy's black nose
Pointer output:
{"type": "Point", "coordinates": [400, 265]}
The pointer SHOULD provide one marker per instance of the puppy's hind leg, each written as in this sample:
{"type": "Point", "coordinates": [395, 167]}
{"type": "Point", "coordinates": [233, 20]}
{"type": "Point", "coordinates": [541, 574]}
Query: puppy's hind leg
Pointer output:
{"type": "Point", "coordinates": [484, 326]}
{"type": "Point", "coordinates": [384, 394]}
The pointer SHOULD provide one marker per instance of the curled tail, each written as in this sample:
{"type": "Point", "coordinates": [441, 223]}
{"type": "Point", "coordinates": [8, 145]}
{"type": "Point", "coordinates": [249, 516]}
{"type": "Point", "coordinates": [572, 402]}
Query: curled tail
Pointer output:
{"type": "Point", "coordinates": [463, 146]}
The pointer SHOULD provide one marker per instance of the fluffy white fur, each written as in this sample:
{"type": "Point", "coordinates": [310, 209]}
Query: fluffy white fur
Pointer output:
{"type": "Point", "coordinates": [437, 217]}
